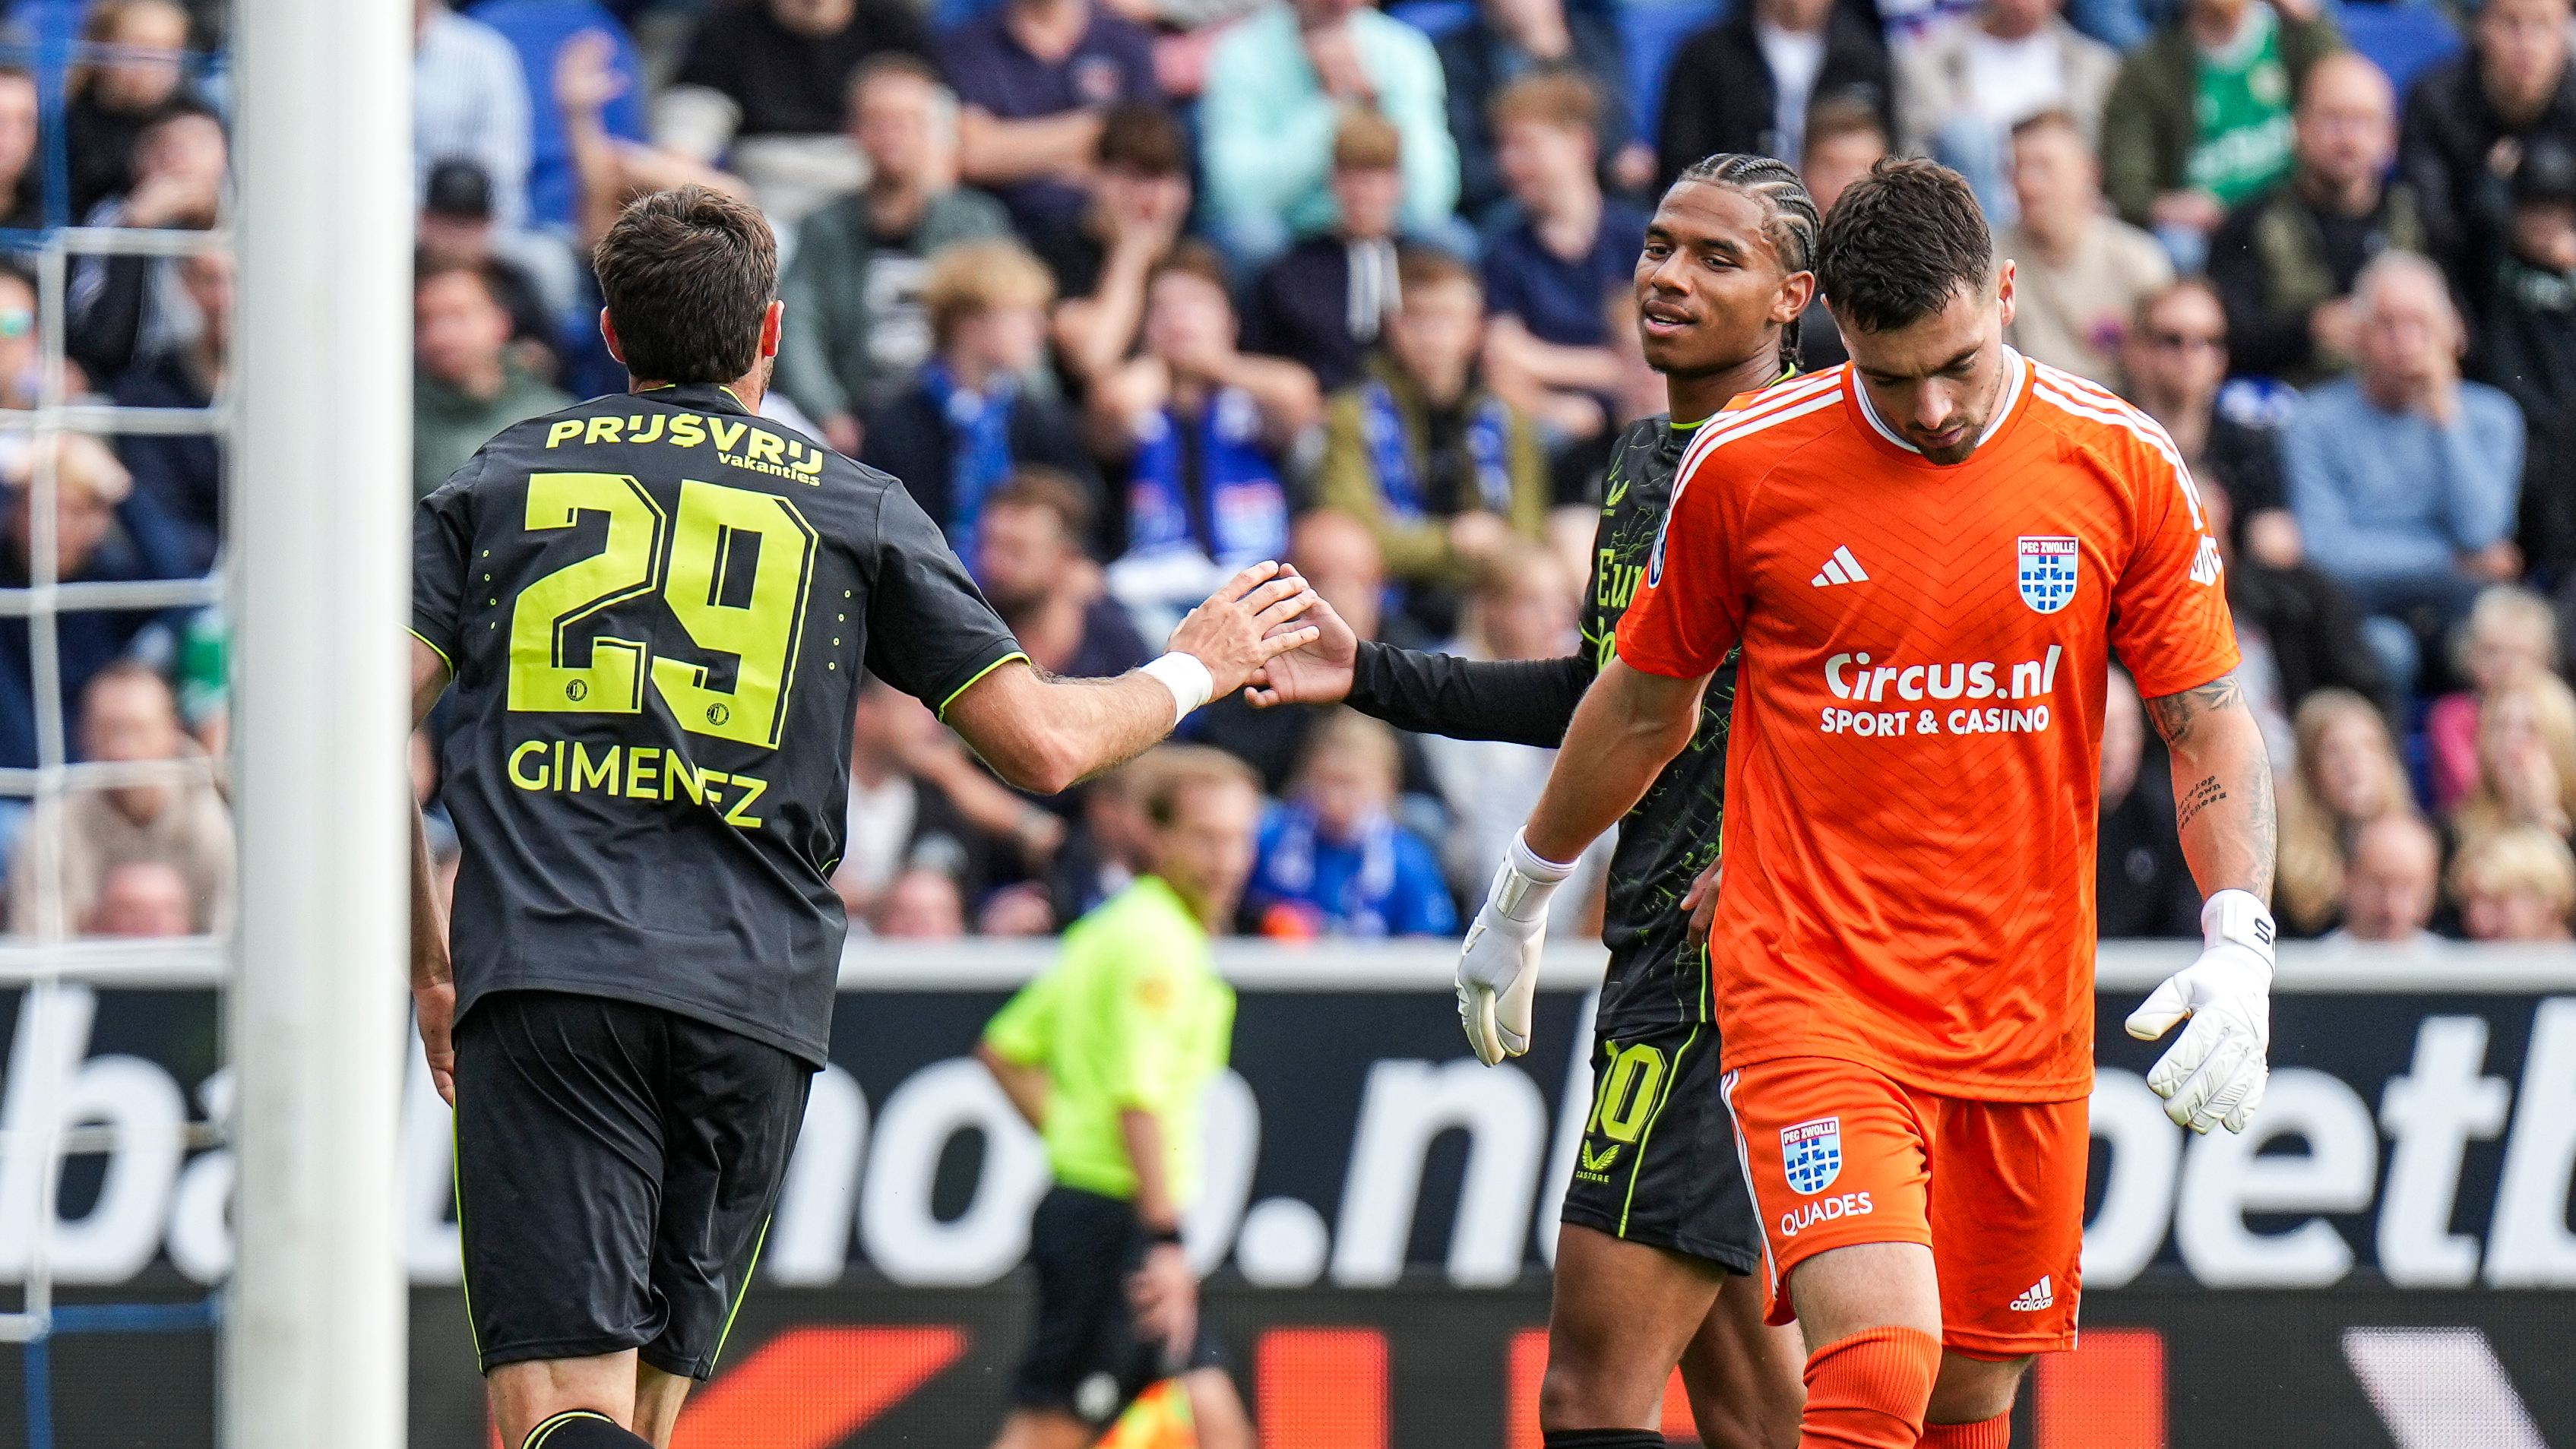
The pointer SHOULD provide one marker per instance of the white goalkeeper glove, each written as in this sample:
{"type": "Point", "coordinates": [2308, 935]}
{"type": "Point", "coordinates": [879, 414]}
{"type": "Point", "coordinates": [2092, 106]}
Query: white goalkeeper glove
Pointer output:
{"type": "Point", "coordinates": [2213, 1075]}
{"type": "Point", "coordinates": [1498, 967]}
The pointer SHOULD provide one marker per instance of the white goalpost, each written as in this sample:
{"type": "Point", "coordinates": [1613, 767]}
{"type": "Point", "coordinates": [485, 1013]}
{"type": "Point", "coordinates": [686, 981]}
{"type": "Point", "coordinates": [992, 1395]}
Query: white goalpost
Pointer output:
{"type": "Point", "coordinates": [314, 1339]}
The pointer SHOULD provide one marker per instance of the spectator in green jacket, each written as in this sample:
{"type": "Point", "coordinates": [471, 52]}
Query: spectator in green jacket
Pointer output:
{"type": "Point", "coordinates": [855, 324]}
{"type": "Point", "coordinates": [1443, 471]}
{"type": "Point", "coordinates": [467, 385]}
{"type": "Point", "coordinates": [2199, 119]}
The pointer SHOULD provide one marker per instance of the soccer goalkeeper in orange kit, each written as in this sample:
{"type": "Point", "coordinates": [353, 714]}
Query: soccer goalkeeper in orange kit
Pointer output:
{"type": "Point", "coordinates": [1927, 558]}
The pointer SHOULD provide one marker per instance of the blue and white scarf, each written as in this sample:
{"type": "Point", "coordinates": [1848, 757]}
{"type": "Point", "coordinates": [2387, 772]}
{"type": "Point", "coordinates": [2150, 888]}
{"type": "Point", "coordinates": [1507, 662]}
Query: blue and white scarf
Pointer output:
{"type": "Point", "coordinates": [1489, 445]}
{"type": "Point", "coordinates": [979, 443]}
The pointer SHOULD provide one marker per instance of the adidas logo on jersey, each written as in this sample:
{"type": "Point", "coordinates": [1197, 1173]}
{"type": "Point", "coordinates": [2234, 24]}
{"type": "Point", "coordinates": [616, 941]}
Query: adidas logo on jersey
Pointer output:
{"type": "Point", "coordinates": [1842, 568]}
{"type": "Point", "coordinates": [2037, 1296]}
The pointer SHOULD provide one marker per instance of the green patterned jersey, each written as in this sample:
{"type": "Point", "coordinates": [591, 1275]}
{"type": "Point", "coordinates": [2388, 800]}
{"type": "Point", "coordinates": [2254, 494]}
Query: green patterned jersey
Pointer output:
{"type": "Point", "coordinates": [1672, 834]}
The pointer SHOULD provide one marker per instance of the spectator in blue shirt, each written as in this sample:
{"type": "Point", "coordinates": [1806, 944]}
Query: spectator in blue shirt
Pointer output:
{"type": "Point", "coordinates": [1036, 77]}
{"type": "Point", "coordinates": [1549, 270]}
{"type": "Point", "coordinates": [2403, 477]}
{"type": "Point", "coordinates": [1333, 860]}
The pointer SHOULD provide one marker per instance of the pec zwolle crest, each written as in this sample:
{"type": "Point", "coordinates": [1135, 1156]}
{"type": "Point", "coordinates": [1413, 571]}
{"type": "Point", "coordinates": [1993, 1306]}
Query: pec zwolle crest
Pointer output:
{"type": "Point", "coordinates": [2047, 569]}
{"type": "Point", "coordinates": [1811, 1154]}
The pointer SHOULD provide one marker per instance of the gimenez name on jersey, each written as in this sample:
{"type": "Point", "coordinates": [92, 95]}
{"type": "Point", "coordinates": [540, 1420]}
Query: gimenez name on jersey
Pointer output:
{"type": "Point", "coordinates": [1854, 676]}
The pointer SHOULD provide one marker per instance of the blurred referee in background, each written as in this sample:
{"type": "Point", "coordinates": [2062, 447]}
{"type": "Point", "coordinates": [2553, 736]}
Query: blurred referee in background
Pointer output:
{"type": "Point", "coordinates": [656, 609]}
{"type": "Point", "coordinates": [1107, 1054]}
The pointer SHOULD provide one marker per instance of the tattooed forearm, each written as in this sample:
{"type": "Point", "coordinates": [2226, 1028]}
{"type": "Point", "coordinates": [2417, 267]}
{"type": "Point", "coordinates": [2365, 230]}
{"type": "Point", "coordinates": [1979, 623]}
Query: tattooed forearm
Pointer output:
{"type": "Point", "coordinates": [2196, 799]}
{"type": "Point", "coordinates": [2265, 820]}
{"type": "Point", "coordinates": [2175, 714]}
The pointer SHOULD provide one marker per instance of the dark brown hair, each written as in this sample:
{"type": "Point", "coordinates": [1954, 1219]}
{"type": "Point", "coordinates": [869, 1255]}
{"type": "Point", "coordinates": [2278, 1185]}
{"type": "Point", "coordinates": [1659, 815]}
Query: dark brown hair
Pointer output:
{"type": "Point", "coordinates": [427, 269]}
{"type": "Point", "coordinates": [1789, 217]}
{"type": "Point", "coordinates": [687, 274]}
{"type": "Point", "coordinates": [1142, 137]}
{"type": "Point", "coordinates": [1050, 489]}
{"type": "Point", "coordinates": [1900, 243]}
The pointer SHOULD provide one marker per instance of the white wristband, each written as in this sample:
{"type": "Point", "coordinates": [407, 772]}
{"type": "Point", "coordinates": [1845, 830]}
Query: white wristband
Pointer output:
{"type": "Point", "coordinates": [1187, 679]}
{"type": "Point", "coordinates": [1528, 879]}
{"type": "Point", "coordinates": [2240, 917]}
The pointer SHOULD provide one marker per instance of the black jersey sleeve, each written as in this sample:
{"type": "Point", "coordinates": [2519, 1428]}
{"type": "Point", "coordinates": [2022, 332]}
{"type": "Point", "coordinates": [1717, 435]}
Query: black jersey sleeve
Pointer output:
{"type": "Point", "coordinates": [1523, 701]}
{"type": "Point", "coordinates": [442, 535]}
{"type": "Point", "coordinates": [930, 632]}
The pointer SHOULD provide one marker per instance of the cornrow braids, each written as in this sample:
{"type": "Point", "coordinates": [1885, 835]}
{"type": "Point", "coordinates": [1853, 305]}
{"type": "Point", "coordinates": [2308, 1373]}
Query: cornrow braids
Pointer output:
{"type": "Point", "coordinates": [1790, 217]}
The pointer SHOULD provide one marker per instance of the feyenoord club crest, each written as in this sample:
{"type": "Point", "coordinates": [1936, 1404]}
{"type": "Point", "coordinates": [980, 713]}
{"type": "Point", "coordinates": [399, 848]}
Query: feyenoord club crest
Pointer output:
{"type": "Point", "coordinates": [2047, 569]}
{"type": "Point", "coordinates": [1812, 1154]}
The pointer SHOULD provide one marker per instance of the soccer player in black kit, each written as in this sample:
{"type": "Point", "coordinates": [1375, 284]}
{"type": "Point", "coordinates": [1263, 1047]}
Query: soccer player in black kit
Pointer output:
{"type": "Point", "coordinates": [1659, 1228]}
{"type": "Point", "coordinates": [656, 609]}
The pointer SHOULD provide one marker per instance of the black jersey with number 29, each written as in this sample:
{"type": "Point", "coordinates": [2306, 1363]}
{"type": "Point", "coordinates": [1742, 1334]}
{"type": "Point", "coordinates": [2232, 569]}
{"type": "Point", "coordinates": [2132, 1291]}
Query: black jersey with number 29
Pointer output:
{"type": "Point", "coordinates": [658, 608]}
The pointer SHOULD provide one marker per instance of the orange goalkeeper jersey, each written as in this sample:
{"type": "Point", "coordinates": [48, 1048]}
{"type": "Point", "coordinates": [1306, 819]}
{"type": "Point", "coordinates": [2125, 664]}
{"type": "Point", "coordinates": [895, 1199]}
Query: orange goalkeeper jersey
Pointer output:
{"type": "Point", "coordinates": [1915, 767]}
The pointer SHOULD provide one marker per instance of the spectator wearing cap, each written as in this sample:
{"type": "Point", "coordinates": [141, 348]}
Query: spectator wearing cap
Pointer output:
{"type": "Point", "coordinates": [2199, 119]}
{"type": "Point", "coordinates": [1565, 248]}
{"type": "Point", "coordinates": [2403, 476]}
{"type": "Point", "coordinates": [1445, 472]}
{"type": "Point", "coordinates": [1140, 199]}
{"type": "Point", "coordinates": [456, 226]}
{"type": "Point", "coordinates": [91, 545]}
{"type": "Point", "coordinates": [1966, 83]}
{"type": "Point", "coordinates": [2467, 117]}
{"type": "Point", "coordinates": [22, 180]}
{"type": "Point", "coordinates": [2079, 273]}
{"type": "Point", "coordinates": [767, 83]}
{"type": "Point", "coordinates": [1201, 431]}
{"type": "Point", "coordinates": [1512, 38]}
{"type": "Point", "coordinates": [129, 716]}
{"type": "Point", "coordinates": [466, 383]}
{"type": "Point", "coordinates": [1276, 88]}
{"type": "Point", "coordinates": [1037, 77]}
{"type": "Point", "coordinates": [970, 417]}
{"type": "Point", "coordinates": [183, 473]}
{"type": "Point", "coordinates": [1325, 303]}
{"type": "Point", "coordinates": [1748, 82]}
{"type": "Point", "coordinates": [2527, 346]}
{"type": "Point", "coordinates": [470, 99]}
{"type": "Point", "coordinates": [856, 328]}
{"type": "Point", "coordinates": [1029, 560]}
{"type": "Point", "coordinates": [107, 103]}
{"type": "Point", "coordinates": [124, 307]}
{"type": "Point", "coordinates": [2285, 261]}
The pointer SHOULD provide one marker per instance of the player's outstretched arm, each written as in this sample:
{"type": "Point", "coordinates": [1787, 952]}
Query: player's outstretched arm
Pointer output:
{"type": "Point", "coordinates": [1521, 701]}
{"type": "Point", "coordinates": [2215, 1071]}
{"type": "Point", "coordinates": [433, 987]}
{"type": "Point", "coordinates": [1629, 726]}
{"type": "Point", "coordinates": [1044, 734]}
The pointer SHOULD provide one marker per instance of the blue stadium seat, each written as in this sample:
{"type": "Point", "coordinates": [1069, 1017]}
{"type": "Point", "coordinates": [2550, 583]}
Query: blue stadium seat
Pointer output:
{"type": "Point", "coordinates": [1435, 18]}
{"type": "Point", "coordinates": [1651, 30]}
{"type": "Point", "coordinates": [2401, 39]}
{"type": "Point", "coordinates": [537, 29]}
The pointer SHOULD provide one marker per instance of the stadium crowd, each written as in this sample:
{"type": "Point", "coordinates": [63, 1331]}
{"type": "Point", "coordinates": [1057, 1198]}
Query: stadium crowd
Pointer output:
{"type": "Point", "coordinates": [1132, 292]}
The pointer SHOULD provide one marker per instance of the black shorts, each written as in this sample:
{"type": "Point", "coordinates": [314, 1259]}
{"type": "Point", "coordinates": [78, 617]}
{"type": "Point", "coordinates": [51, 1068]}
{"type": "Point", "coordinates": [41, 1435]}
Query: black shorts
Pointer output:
{"type": "Point", "coordinates": [1657, 1164]}
{"type": "Point", "coordinates": [616, 1165]}
{"type": "Point", "coordinates": [1084, 1356]}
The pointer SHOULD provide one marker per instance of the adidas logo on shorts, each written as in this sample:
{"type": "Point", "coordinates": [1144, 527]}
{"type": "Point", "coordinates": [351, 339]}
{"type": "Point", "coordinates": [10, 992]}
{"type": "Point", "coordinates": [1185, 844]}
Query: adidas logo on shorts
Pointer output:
{"type": "Point", "coordinates": [2037, 1296]}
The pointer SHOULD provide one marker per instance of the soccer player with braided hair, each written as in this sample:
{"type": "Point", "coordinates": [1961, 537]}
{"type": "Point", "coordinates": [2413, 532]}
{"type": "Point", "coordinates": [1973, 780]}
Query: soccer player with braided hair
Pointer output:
{"type": "Point", "coordinates": [1659, 1234]}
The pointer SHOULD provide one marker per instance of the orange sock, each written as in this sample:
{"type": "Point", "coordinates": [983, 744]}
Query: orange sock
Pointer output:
{"type": "Point", "coordinates": [1868, 1391]}
{"type": "Point", "coordinates": [1994, 1433]}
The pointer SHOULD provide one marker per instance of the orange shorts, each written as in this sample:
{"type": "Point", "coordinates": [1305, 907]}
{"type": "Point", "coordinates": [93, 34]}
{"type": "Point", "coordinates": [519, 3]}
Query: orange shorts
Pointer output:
{"type": "Point", "coordinates": [1841, 1154]}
